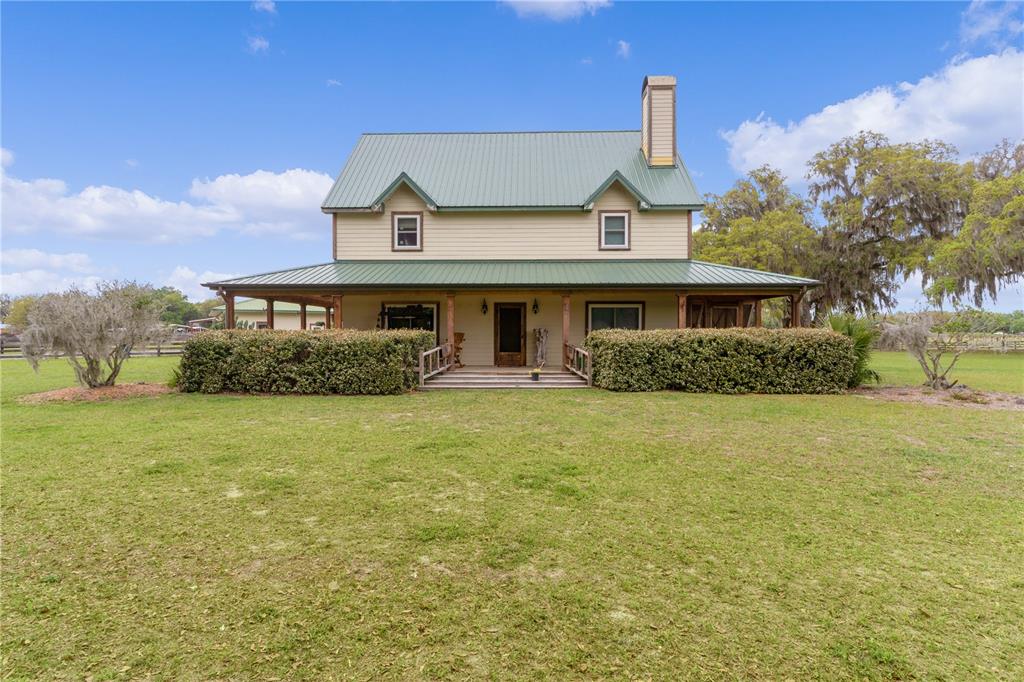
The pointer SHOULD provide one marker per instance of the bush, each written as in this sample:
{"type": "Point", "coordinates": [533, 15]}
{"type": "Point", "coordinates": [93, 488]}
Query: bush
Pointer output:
{"type": "Point", "coordinates": [340, 361]}
{"type": "Point", "coordinates": [722, 360]}
{"type": "Point", "coordinates": [863, 332]}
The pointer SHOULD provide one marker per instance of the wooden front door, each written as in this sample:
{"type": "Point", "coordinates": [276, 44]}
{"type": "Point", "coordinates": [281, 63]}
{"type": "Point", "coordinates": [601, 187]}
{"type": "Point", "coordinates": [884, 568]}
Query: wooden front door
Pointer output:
{"type": "Point", "coordinates": [510, 334]}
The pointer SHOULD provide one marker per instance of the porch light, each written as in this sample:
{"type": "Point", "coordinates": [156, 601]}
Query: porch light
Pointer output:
{"type": "Point", "coordinates": [536, 307]}
{"type": "Point", "coordinates": [483, 307]}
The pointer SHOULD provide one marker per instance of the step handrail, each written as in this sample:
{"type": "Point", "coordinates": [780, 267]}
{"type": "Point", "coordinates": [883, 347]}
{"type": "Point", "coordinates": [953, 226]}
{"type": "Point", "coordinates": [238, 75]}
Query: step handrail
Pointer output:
{"type": "Point", "coordinates": [578, 362]}
{"type": "Point", "coordinates": [434, 361]}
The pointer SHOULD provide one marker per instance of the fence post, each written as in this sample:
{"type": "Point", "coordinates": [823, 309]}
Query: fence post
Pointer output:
{"type": "Point", "coordinates": [421, 368]}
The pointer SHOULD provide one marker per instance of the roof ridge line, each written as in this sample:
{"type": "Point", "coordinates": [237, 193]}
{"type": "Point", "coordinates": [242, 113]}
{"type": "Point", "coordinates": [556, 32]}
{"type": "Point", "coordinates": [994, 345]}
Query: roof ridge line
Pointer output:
{"type": "Point", "coordinates": [501, 132]}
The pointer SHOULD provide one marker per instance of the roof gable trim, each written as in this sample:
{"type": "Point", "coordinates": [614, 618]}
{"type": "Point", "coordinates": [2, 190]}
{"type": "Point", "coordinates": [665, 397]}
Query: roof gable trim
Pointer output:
{"type": "Point", "coordinates": [617, 176]}
{"type": "Point", "coordinates": [402, 179]}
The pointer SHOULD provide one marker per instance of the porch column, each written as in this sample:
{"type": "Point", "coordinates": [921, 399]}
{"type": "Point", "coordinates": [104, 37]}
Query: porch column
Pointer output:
{"type": "Point", "coordinates": [229, 311]}
{"type": "Point", "coordinates": [270, 313]}
{"type": "Point", "coordinates": [566, 320]}
{"type": "Point", "coordinates": [338, 320]}
{"type": "Point", "coordinates": [794, 309]}
{"type": "Point", "coordinates": [681, 313]}
{"type": "Point", "coordinates": [302, 316]}
{"type": "Point", "coordinates": [450, 313]}
{"type": "Point", "coordinates": [757, 314]}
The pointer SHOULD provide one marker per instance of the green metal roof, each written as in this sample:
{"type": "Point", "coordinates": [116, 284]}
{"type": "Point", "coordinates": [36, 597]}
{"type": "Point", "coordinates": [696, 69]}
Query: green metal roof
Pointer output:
{"type": "Point", "coordinates": [434, 274]}
{"type": "Point", "coordinates": [506, 170]}
{"type": "Point", "coordinates": [258, 305]}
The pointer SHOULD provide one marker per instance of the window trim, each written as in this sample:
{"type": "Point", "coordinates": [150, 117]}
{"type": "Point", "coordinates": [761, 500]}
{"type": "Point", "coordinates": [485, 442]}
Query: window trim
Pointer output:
{"type": "Point", "coordinates": [628, 215]}
{"type": "Point", "coordinates": [616, 304]}
{"type": "Point", "coordinates": [395, 215]}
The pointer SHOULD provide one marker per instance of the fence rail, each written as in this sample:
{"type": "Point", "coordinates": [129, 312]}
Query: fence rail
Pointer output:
{"type": "Point", "coordinates": [993, 343]}
{"type": "Point", "coordinates": [435, 361]}
{"type": "Point", "coordinates": [11, 350]}
{"type": "Point", "coordinates": [578, 362]}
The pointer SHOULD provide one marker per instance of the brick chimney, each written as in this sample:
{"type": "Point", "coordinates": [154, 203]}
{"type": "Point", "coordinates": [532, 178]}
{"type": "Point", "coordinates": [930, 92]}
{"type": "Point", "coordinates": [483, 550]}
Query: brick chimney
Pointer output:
{"type": "Point", "coordinates": [658, 132]}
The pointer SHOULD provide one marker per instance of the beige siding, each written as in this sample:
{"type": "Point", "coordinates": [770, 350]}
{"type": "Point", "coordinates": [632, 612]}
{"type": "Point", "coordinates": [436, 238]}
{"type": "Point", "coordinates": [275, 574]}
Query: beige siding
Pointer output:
{"type": "Point", "coordinates": [662, 124]}
{"type": "Point", "coordinates": [281, 320]}
{"type": "Point", "coordinates": [511, 235]}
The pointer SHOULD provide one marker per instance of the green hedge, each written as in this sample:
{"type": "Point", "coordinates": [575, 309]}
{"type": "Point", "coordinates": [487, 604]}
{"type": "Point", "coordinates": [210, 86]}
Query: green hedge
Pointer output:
{"type": "Point", "coordinates": [335, 361]}
{"type": "Point", "coordinates": [722, 360]}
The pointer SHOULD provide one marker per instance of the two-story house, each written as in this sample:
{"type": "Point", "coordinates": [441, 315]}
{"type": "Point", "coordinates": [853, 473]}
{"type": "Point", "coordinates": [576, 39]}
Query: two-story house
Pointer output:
{"type": "Point", "coordinates": [490, 236]}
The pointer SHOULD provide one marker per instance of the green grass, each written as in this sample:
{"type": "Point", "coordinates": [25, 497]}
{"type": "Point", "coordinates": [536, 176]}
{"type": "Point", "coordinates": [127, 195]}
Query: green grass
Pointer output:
{"type": "Point", "coordinates": [982, 371]}
{"type": "Point", "coordinates": [551, 534]}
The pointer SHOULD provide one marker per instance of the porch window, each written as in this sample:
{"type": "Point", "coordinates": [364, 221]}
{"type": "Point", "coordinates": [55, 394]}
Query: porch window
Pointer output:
{"type": "Point", "coordinates": [615, 230]}
{"type": "Point", "coordinates": [407, 232]}
{"type": "Point", "coordinates": [615, 316]}
{"type": "Point", "coordinates": [410, 316]}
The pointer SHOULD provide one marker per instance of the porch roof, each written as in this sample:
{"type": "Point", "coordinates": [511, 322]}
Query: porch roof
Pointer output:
{"type": "Point", "coordinates": [343, 275]}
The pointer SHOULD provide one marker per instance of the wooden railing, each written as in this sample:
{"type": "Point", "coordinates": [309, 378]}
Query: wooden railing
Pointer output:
{"type": "Point", "coordinates": [435, 361]}
{"type": "Point", "coordinates": [577, 361]}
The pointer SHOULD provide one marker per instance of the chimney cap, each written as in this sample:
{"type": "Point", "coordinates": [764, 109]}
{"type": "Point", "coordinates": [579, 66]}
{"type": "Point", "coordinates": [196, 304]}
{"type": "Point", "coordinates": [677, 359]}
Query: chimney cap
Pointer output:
{"type": "Point", "coordinates": [653, 81]}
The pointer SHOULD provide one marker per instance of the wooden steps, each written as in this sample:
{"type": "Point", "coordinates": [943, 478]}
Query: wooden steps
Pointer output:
{"type": "Point", "coordinates": [502, 378]}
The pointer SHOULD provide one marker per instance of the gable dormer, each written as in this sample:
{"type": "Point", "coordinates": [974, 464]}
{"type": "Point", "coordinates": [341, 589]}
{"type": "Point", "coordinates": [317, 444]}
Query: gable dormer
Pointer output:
{"type": "Point", "coordinates": [658, 113]}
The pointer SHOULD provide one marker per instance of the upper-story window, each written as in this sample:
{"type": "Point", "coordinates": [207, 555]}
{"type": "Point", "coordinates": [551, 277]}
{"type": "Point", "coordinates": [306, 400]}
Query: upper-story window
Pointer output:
{"type": "Point", "coordinates": [407, 231]}
{"type": "Point", "coordinates": [614, 230]}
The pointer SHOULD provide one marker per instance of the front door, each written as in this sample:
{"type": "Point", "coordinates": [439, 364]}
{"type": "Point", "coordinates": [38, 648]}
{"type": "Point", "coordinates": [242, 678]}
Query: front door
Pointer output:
{"type": "Point", "coordinates": [510, 334]}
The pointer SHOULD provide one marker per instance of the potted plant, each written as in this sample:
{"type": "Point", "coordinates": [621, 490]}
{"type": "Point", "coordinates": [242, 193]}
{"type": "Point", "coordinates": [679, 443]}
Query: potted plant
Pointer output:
{"type": "Point", "coordinates": [535, 374]}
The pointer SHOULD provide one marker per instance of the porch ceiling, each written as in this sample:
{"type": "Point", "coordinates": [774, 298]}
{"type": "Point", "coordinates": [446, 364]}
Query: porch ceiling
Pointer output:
{"type": "Point", "coordinates": [348, 276]}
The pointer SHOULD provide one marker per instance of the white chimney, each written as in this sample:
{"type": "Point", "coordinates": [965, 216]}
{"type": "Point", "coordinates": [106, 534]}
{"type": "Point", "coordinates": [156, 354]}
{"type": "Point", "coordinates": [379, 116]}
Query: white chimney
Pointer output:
{"type": "Point", "coordinates": [658, 132]}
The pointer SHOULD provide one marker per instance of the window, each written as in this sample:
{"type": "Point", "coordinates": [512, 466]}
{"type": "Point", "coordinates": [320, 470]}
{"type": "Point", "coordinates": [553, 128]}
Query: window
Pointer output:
{"type": "Point", "coordinates": [410, 316]}
{"type": "Point", "coordinates": [615, 230]}
{"type": "Point", "coordinates": [407, 232]}
{"type": "Point", "coordinates": [615, 316]}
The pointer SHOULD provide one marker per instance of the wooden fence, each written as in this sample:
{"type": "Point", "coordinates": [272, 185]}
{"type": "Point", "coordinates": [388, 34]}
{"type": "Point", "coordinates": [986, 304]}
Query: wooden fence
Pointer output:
{"type": "Point", "coordinates": [992, 343]}
{"type": "Point", "coordinates": [11, 349]}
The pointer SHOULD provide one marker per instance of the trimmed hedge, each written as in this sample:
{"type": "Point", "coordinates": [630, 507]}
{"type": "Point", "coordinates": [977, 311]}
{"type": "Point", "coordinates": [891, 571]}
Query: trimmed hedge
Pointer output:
{"type": "Point", "coordinates": [722, 360]}
{"type": "Point", "coordinates": [335, 361]}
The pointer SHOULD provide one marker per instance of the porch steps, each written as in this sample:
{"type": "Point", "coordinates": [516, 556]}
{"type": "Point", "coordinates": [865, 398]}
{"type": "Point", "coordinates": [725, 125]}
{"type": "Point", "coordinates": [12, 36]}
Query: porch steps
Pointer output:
{"type": "Point", "coordinates": [463, 378]}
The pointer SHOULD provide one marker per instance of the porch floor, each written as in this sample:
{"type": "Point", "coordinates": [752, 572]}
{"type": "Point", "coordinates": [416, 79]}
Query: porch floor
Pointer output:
{"type": "Point", "coordinates": [489, 376]}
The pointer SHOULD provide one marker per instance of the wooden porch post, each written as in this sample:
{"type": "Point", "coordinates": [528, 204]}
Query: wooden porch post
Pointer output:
{"type": "Point", "coordinates": [681, 313]}
{"type": "Point", "coordinates": [450, 323]}
{"type": "Point", "coordinates": [270, 313]}
{"type": "Point", "coordinates": [338, 319]}
{"type": "Point", "coordinates": [302, 316]}
{"type": "Point", "coordinates": [794, 309]}
{"type": "Point", "coordinates": [229, 311]}
{"type": "Point", "coordinates": [757, 314]}
{"type": "Point", "coordinates": [566, 325]}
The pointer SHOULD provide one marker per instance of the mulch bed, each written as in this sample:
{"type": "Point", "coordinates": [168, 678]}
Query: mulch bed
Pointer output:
{"type": "Point", "coordinates": [956, 397]}
{"type": "Point", "coordinates": [79, 394]}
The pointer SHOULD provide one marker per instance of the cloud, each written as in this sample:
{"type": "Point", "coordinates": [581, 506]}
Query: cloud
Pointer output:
{"type": "Point", "coordinates": [623, 49]}
{"type": "Point", "coordinates": [586, 61]}
{"type": "Point", "coordinates": [332, 83]}
{"type": "Point", "coordinates": [258, 44]}
{"type": "Point", "coordinates": [35, 259]}
{"type": "Point", "coordinates": [258, 203]}
{"type": "Point", "coordinates": [131, 163]}
{"type": "Point", "coordinates": [971, 103]}
{"type": "Point", "coordinates": [996, 24]}
{"type": "Point", "coordinates": [555, 10]}
{"type": "Point", "coordinates": [268, 6]}
{"type": "Point", "coordinates": [39, 281]}
{"type": "Point", "coordinates": [188, 282]}
{"type": "Point", "coordinates": [6, 157]}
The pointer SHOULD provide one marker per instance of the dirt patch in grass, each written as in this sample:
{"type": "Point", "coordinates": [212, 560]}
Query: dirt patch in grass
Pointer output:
{"type": "Point", "coordinates": [957, 397]}
{"type": "Point", "coordinates": [79, 394]}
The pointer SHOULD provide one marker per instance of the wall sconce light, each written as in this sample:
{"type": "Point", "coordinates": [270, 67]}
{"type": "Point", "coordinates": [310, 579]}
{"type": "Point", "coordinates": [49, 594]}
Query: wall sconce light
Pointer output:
{"type": "Point", "coordinates": [483, 307]}
{"type": "Point", "coordinates": [536, 307]}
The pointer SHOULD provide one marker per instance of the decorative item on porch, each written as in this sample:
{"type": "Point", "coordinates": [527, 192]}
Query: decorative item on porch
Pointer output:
{"type": "Point", "coordinates": [535, 374]}
{"type": "Point", "coordinates": [540, 340]}
{"type": "Point", "coordinates": [457, 348]}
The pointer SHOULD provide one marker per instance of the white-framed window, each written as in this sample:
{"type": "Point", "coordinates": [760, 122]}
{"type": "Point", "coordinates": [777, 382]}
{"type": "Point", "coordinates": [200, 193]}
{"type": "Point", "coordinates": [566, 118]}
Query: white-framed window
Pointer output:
{"type": "Point", "coordinates": [615, 316]}
{"type": "Point", "coordinates": [614, 229]}
{"type": "Point", "coordinates": [407, 231]}
{"type": "Point", "coordinates": [410, 316]}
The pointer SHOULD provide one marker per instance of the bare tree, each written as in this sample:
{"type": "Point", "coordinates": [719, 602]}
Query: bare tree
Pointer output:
{"type": "Point", "coordinates": [96, 332]}
{"type": "Point", "coordinates": [917, 333]}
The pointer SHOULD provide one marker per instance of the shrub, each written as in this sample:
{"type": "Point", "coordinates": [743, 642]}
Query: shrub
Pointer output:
{"type": "Point", "coordinates": [864, 333]}
{"type": "Point", "coordinates": [340, 361]}
{"type": "Point", "coordinates": [722, 360]}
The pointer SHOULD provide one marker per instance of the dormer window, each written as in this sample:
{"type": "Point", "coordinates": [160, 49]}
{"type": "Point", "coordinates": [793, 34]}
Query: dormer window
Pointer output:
{"type": "Point", "coordinates": [614, 230]}
{"type": "Point", "coordinates": [407, 231]}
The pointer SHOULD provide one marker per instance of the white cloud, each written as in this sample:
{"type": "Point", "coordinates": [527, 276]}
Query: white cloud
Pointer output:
{"type": "Point", "coordinates": [996, 24]}
{"type": "Point", "coordinates": [555, 10]}
{"type": "Point", "coordinates": [36, 259]}
{"type": "Point", "coordinates": [971, 103]}
{"type": "Point", "coordinates": [268, 6]}
{"type": "Point", "coordinates": [186, 280]}
{"type": "Point", "coordinates": [623, 49]}
{"type": "Point", "coordinates": [6, 157]}
{"type": "Point", "coordinates": [258, 44]}
{"type": "Point", "coordinates": [131, 163]}
{"type": "Point", "coordinates": [333, 83]}
{"type": "Point", "coordinates": [39, 281]}
{"type": "Point", "coordinates": [262, 202]}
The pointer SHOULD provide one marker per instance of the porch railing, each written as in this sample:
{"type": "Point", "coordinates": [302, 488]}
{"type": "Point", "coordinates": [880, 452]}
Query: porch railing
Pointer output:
{"type": "Point", "coordinates": [435, 361]}
{"type": "Point", "coordinates": [577, 361]}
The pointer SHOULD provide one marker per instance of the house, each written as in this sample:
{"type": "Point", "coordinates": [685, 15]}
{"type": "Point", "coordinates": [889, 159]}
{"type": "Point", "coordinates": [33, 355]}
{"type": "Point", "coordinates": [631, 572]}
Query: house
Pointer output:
{"type": "Point", "coordinates": [252, 313]}
{"type": "Point", "coordinates": [490, 236]}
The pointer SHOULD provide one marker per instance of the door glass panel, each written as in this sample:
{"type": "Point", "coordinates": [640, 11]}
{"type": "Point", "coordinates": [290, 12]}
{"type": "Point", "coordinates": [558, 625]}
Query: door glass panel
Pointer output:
{"type": "Point", "coordinates": [510, 331]}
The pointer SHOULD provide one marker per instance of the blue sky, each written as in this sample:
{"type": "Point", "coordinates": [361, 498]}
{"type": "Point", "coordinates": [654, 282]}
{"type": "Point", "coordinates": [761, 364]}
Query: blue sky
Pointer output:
{"type": "Point", "coordinates": [172, 142]}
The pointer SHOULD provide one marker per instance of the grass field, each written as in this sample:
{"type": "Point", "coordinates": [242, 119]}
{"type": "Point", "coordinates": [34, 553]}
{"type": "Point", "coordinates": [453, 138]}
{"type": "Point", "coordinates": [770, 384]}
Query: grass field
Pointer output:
{"type": "Point", "coordinates": [552, 534]}
{"type": "Point", "coordinates": [983, 371]}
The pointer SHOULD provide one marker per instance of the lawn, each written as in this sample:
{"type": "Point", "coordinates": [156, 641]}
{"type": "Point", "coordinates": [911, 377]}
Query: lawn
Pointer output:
{"type": "Point", "coordinates": [983, 371]}
{"type": "Point", "coordinates": [551, 534]}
